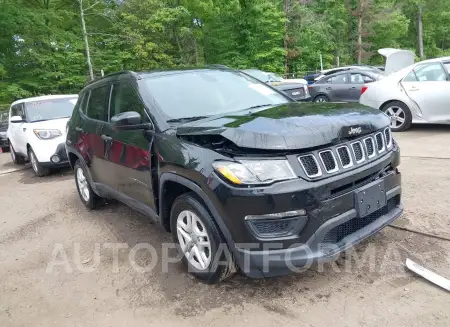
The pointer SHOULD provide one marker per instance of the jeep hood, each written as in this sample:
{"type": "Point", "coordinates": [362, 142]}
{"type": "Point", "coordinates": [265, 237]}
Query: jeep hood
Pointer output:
{"type": "Point", "coordinates": [290, 126]}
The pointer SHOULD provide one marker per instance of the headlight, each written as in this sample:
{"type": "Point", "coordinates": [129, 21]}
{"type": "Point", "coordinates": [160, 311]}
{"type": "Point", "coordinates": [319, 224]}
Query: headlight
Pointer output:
{"type": "Point", "coordinates": [252, 172]}
{"type": "Point", "coordinates": [47, 134]}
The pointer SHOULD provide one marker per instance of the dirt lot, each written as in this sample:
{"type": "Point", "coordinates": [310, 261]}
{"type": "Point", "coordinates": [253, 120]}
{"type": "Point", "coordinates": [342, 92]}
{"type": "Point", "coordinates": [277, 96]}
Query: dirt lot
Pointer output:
{"type": "Point", "coordinates": [43, 216]}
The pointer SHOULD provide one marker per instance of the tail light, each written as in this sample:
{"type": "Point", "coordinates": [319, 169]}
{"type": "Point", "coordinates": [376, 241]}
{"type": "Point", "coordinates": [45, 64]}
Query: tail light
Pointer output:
{"type": "Point", "coordinates": [364, 89]}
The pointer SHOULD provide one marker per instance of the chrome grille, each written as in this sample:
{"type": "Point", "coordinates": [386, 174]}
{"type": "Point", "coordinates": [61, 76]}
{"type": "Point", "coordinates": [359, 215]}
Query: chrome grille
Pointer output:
{"type": "Point", "coordinates": [380, 142]}
{"type": "Point", "coordinates": [370, 147]}
{"type": "Point", "coordinates": [358, 152]}
{"type": "Point", "coordinates": [329, 161]}
{"type": "Point", "coordinates": [320, 163]}
{"type": "Point", "coordinates": [388, 136]}
{"type": "Point", "coordinates": [345, 156]}
{"type": "Point", "coordinates": [310, 165]}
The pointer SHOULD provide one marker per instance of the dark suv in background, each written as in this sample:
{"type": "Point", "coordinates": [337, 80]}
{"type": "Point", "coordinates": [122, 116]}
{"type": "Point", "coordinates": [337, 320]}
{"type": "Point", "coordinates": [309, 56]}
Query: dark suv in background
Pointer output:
{"type": "Point", "coordinates": [241, 175]}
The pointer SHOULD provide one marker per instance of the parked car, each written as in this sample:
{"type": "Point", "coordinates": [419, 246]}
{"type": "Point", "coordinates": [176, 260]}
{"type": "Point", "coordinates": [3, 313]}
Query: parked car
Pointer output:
{"type": "Point", "coordinates": [240, 174]}
{"type": "Point", "coordinates": [343, 86]}
{"type": "Point", "coordinates": [419, 93]}
{"type": "Point", "coordinates": [37, 131]}
{"type": "Point", "coordinates": [4, 142]}
{"type": "Point", "coordinates": [297, 89]}
{"type": "Point", "coordinates": [332, 71]}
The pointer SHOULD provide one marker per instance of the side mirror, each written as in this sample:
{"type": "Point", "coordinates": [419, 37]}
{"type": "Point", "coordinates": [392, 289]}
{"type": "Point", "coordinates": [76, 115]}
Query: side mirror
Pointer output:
{"type": "Point", "coordinates": [130, 120]}
{"type": "Point", "coordinates": [16, 119]}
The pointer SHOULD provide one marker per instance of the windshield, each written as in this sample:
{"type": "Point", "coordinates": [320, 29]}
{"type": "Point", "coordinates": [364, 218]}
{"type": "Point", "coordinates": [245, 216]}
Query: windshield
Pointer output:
{"type": "Point", "coordinates": [259, 74]}
{"type": "Point", "coordinates": [50, 109]}
{"type": "Point", "coordinates": [209, 92]}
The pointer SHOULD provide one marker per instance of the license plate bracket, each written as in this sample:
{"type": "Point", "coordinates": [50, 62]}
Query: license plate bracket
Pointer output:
{"type": "Point", "coordinates": [370, 198]}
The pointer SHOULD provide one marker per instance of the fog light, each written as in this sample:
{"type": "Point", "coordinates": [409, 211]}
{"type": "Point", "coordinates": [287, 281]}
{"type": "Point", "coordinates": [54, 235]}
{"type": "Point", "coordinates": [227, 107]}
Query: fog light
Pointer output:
{"type": "Point", "coordinates": [55, 159]}
{"type": "Point", "coordinates": [292, 213]}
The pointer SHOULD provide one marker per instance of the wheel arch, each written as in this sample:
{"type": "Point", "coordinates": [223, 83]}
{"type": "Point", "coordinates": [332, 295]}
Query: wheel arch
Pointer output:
{"type": "Point", "coordinates": [321, 94]}
{"type": "Point", "coordinates": [185, 185]}
{"type": "Point", "coordinates": [390, 101]}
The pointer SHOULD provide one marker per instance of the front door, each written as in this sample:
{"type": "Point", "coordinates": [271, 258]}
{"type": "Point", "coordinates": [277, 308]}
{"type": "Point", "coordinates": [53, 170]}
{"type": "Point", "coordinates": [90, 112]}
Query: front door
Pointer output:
{"type": "Point", "coordinates": [94, 123]}
{"type": "Point", "coordinates": [129, 153]}
{"type": "Point", "coordinates": [428, 86]}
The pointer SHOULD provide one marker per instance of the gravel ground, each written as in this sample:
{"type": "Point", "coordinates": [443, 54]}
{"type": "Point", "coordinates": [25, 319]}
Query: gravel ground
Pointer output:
{"type": "Point", "coordinates": [50, 274]}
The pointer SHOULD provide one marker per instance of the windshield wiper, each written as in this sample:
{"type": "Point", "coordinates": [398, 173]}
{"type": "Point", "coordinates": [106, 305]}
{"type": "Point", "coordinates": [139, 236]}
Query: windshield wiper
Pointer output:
{"type": "Point", "coordinates": [186, 119]}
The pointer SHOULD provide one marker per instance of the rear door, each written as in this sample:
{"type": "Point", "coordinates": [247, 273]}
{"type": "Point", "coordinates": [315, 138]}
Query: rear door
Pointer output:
{"type": "Point", "coordinates": [339, 88]}
{"type": "Point", "coordinates": [94, 120]}
{"type": "Point", "coordinates": [129, 154]}
{"type": "Point", "coordinates": [357, 80]}
{"type": "Point", "coordinates": [428, 86]}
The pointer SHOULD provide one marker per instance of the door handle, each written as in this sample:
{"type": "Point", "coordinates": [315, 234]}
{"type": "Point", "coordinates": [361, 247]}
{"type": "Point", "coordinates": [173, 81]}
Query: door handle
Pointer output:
{"type": "Point", "coordinates": [328, 88]}
{"type": "Point", "coordinates": [79, 129]}
{"type": "Point", "coordinates": [414, 89]}
{"type": "Point", "coordinates": [24, 129]}
{"type": "Point", "coordinates": [353, 88]}
{"type": "Point", "coordinates": [106, 138]}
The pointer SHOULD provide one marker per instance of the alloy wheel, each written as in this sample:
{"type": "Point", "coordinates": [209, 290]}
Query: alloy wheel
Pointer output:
{"type": "Point", "coordinates": [397, 116]}
{"type": "Point", "coordinates": [321, 99]}
{"type": "Point", "coordinates": [194, 240]}
{"type": "Point", "coordinates": [83, 185]}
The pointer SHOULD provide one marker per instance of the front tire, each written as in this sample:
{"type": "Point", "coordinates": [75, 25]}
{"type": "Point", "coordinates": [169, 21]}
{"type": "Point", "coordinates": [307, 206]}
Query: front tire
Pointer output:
{"type": "Point", "coordinates": [16, 158]}
{"type": "Point", "coordinates": [204, 250]}
{"type": "Point", "coordinates": [85, 191]}
{"type": "Point", "coordinates": [400, 115]}
{"type": "Point", "coordinates": [36, 165]}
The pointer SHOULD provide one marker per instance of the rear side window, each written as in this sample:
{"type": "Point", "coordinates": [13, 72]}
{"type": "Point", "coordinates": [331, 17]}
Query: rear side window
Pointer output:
{"type": "Point", "coordinates": [339, 79]}
{"type": "Point", "coordinates": [97, 107]}
{"type": "Point", "coordinates": [124, 98]}
{"type": "Point", "coordinates": [432, 72]}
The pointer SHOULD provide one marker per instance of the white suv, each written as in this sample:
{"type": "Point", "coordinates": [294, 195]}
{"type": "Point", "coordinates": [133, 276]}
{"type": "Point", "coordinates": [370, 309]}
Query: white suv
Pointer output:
{"type": "Point", "coordinates": [37, 131]}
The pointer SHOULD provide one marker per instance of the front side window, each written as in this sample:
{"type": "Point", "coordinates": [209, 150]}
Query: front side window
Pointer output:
{"type": "Point", "coordinates": [209, 92]}
{"type": "Point", "coordinates": [97, 107]}
{"type": "Point", "coordinates": [17, 110]}
{"type": "Point", "coordinates": [49, 109]}
{"type": "Point", "coordinates": [124, 98]}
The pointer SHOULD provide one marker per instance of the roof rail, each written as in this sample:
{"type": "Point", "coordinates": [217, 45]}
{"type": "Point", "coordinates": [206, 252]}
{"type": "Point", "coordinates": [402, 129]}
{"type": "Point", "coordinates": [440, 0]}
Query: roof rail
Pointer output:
{"type": "Point", "coordinates": [114, 74]}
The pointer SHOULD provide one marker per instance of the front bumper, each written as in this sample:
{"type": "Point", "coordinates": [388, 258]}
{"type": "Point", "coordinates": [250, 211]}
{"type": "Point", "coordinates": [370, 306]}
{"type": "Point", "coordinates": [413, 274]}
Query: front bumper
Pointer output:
{"type": "Point", "coordinates": [61, 153]}
{"type": "Point", "coordinates": [331, 216]}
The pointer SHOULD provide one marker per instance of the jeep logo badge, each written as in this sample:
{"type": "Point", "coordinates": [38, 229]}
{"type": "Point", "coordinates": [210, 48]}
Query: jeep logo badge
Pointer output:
{"type": "Point", "coordinates": [355, 131]}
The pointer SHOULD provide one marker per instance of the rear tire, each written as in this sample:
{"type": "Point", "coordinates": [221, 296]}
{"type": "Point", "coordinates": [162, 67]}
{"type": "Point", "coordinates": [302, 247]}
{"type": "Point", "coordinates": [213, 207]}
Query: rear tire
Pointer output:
{"type": "Point", "coordinates": [36, 165]}
{"type": "Point", "coordinates": [400, 115]}
{"type": "Point", "coordinates": [85, 191]}
{"type": "Point", "coordinates": [210, 259]}
{"type": "Point", "coordinates": [321, 98]}
{"type": "Point", "coordinates": [16, 158]}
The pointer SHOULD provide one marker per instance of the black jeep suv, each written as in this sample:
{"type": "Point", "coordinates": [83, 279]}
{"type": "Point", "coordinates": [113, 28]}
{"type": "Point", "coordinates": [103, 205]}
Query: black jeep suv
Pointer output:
{"type": "Point", "coordinates": [240, 174]}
